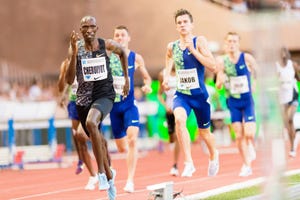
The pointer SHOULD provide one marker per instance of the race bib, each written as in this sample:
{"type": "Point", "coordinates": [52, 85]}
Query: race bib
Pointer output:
{"type": "Point", "coordinates": [119, 82]}
{"type": "Point", "coordinates": [239, 84]}
{"type": "Point", "coordinates": [94, 69]}
{"type": "Point", "coordinates": [187, 79]}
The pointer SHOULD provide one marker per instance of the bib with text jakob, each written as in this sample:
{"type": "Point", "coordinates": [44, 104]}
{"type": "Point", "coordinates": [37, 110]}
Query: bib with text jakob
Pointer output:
{"type": "Point", "coordinates": [94, 69]}
{"type": "Point", "coordinates": [239, 85]}
{"type": "Point", "coordinates": [187, 79]}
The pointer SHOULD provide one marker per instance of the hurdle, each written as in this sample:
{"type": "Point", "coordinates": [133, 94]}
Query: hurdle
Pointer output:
{"type": "Point", "coordinates": [32, 116]}
{"type": "Point", "coordinates": [161, 191]}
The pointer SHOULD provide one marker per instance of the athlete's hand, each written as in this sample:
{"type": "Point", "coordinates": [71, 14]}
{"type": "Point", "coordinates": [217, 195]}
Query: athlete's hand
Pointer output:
{"type": "Point", "coordinates": [165, 84]}
{"type": "Point", "coordinates": [146, 89]}
{"type": "Point", "coordinates": [126, 88]}
{"type": "Point", "coordinates": [73, 43]}
{"type": "Point", "coordinates": [189, 44]}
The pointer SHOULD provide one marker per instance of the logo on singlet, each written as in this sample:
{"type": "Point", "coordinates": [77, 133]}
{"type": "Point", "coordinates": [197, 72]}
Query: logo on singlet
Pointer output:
{"type": "Point", "coordinates": [99, 55]}
{"type": "Point", "coordinates": [242, 66]}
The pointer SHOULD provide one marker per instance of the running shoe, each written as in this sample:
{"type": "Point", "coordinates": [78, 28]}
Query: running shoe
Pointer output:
{"type": "Point", "coordinates": [174, 171]}
{"type": "Point", "coordinates": [129, 187]}
{"type": "Point", "coordinates": [292, 154]}
{"type": "Point", "coordinates": [79, 168]}
{"type": "Point", "coordinates": [103, 183]}
{"type": "Point", "coordinates": [188, 170]}
{"type": "Point", "coordinates": [245, 171]}
{"type": "Point", "coordinates": [112, 191]}
{"type": "Point", "coordinates": [91, 183]}
{"type": "Point", "coordinates": [213, 165]}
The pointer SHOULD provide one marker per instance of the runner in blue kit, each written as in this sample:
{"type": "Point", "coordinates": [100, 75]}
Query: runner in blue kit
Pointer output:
{"type": "Point", "coordinates": [236, 70]}
{"type": "Point", "coordinates": [124, 115]}
{"type": "Point", "coordinates": [89, 62]}
{"type": "Point", "coordinates": [190, 55]}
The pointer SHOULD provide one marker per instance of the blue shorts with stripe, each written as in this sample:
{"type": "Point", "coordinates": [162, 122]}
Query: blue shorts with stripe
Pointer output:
{"type": "Point", "coordinates": [241, 109]}
{"type": "Point", "coordinates": [72, 110]}
{"type": "Point", "coordinates": [199, 103]}
{"type": "Point", "coordinates": [122, 116]}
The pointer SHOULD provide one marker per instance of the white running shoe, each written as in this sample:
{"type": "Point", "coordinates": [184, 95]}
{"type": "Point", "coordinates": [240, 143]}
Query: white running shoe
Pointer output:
{"type": "Point", "coordinates": [292, 154]}
{"type": "Point", "coordinates": [174, 171]}
{"type": "Point", "coordinates": [103, 182]}
{"type": "Point", "coordinates": [188, 170]}
{"type": "Point", "coordinates": [213, 165]}
{"type": "Point", "coordinates": [129, 187]}
{"type": "Point", "coordinates": [252, 152]}
{"type": "Point", "coordinates": [245, 171]}
{"type": "Point", "coordinates": [91, 183]}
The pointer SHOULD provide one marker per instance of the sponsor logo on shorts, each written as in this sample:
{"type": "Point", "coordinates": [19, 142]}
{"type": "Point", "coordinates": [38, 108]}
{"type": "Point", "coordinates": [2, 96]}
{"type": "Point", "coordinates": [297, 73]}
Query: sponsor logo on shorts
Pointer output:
{"type": "Point", "coordinates": [205, 124]}
{"type": "Point", "coordinates": [250, 117]}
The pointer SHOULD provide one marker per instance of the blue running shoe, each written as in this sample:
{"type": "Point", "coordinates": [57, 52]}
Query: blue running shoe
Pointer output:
{"type": "Point", "coordinates": [112, 191]}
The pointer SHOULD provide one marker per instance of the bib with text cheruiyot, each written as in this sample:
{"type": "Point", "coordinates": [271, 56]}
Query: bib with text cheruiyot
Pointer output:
{"type": "Point", "coordinates": [187, 79]}
{"type": "Point", "coordinates": [239, 84]}
{"type": "Point", "coordinates": [94, 69]}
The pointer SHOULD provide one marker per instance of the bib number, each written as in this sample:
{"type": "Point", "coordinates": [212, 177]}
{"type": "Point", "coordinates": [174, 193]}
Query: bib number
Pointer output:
{"type": "Point", "coordinates": [119, 82]}
{"type": "Point", "coordinates": [94, 69]}
{"type": "Point", "coordinates": [187, 79]}
{"type": "Point", "coordinates": [239, 85]}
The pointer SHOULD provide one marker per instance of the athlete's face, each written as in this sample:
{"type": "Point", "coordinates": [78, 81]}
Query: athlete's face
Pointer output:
{"type": "Point", "coordinates": [184, 25]}
{"type": "Point", "coordinates": [88, 29]}
{"type": "Point", "coordinates": [232, 43]}
{"type": "Point", "coordinates": [121, 36]}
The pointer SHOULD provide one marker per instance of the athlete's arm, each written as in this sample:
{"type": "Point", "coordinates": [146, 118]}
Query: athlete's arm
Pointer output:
{"type": "Point", "coordinates": [297, 70]}
{"type": "Point", "coordinates": [252, 67]}
{"type": "Point", "coordinates": [203, 54]}
{"type": "Point", "coordinates": [161, 90]}
{"type": "Point", "coordinates": [71, 68]}
{"type": "Point", "coordinates": [61, 79]}
{"type": "Point", "coordinates": [116, 48]}
{"type": "Point", "coordinates": [169, 64]}
{"type": "Point", "coordinates": [220, 74]}
{"type": "Point", "coordinates": [140, 64]}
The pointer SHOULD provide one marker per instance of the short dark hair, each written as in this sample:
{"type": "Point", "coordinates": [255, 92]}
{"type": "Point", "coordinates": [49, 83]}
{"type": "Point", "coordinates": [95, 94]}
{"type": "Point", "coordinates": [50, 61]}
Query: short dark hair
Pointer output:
{"type": "Point", "coordinates": [122, 27]}
{"type": "Point", "coordinates": [181, 12]}
{"type": "Point", "coordinates": [232, 33]}
{"type": "Point", "coordinates": [87, 18]}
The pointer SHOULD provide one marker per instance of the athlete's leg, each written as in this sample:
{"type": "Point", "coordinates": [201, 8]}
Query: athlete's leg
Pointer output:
{"type": "Point", "coordinates": [183, 135]}
{"type": "Point", "coordinates": [82, 139]}
{"type": "Point", "coordinates": [290, 112]}
{"type": "Point", "coordinates": [132, 135]}
{"type": "Point", "coordinates": [98, 141]}
{"type": "Point", "coordinates": [240, 141]}
{"type": "Point", "coordinates": [209, 140]}
{"type": "Point", "coordinates": [249, 130]}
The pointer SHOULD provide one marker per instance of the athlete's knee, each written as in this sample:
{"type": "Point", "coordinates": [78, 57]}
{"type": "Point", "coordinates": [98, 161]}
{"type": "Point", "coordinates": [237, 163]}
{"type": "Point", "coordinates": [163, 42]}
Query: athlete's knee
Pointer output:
{"type": "Point", "coordinates": [239, 139]}
{"type": "Point", "coordinates": [132, 141]}
{"type": "Point", "coordinates": [205, 133]}
{"type": "Point", "coordinates": [122, 149]}
{"type": "Point", "coordinates": [290, 120]}
{"type": "Point", "coordinates": [91, 125]}
{"type": "Point", "coordinates": [180, 122]}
